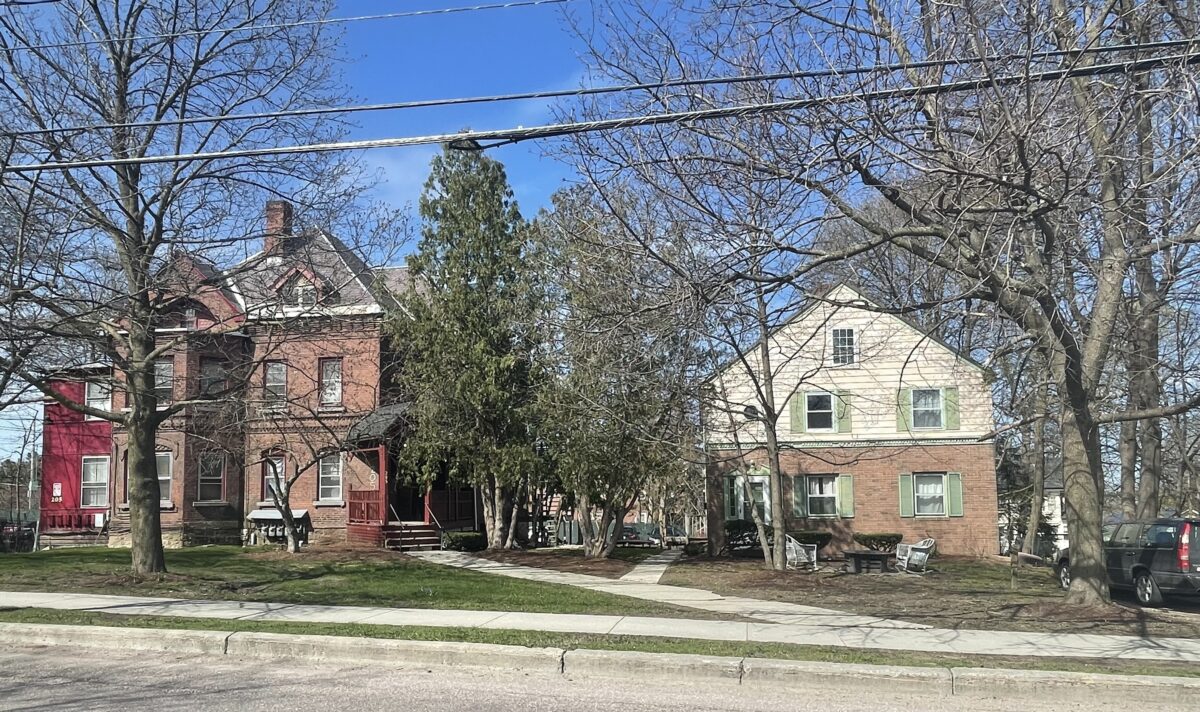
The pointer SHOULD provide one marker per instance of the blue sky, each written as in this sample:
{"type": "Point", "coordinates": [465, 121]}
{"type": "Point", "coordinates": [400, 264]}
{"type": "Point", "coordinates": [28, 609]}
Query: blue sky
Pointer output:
{"type": "Point", "coordinates": [440, 56]}
{"type": "Point", "coordinates": [461, 54]}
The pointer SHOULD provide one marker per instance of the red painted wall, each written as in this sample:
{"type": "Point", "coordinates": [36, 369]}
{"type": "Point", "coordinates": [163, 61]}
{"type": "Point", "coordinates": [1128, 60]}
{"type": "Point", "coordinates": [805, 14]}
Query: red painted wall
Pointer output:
{"type": "Point", "coordinates": [66, 437]}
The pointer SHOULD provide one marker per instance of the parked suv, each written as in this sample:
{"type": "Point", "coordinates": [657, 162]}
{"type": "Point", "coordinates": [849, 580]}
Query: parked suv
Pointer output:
{"type": "Point", "coordinates": [1154, 558]}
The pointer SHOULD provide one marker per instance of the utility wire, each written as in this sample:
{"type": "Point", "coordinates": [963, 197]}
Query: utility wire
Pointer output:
{"type": "Point", "coordinates": [284, 25]}
{"type": "Point", "coordinates": [612, 89]}
{"type": "Point", "coordinates": [473, 140]}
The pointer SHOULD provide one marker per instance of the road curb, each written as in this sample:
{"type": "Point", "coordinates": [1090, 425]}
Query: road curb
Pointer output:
{"type": "Point", "coordinates": [1080, 688]}
{"type": "Point", "coordinates": [408, 652]}
{"type": "Point", "coordinates": [1077, 687]}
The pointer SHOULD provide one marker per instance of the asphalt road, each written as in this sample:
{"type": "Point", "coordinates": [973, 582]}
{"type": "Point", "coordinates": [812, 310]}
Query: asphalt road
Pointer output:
{"type": "Point", "coordinates": [69, 679]}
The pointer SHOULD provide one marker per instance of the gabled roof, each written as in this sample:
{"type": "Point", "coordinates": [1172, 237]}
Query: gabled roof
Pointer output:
{"type": "Point", "coordinates": [861, 302]}
{"type": "Point", "coordinates": [348, 282]}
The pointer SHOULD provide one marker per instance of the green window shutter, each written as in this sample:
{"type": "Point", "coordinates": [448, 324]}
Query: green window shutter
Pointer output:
{"type": "Point", "coordinates": [906, 495]}
{"type": "Point", "coordinates": [950, 405]}
{"type": "Point", "coordinates": [799, 411]}
{"type": "Point", "coordinates": [799, 496]}
{"type": "Point", "coordinates": [845, 484]}
{"type": "Point", "coordinates": [954, 494]}
{"type": "Point", "coordinates": [732, 498]}
{"type": "Point", "coordinates": [903, 410]}
{"type": "Point", "coordinates": [845, 417]}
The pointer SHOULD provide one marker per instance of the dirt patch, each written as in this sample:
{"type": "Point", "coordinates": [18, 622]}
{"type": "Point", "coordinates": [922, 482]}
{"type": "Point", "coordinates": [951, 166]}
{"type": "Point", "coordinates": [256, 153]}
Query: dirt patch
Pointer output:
{"type": "Point", "coordinates": [329, 553]}
{"type": "Point", "coordinates": [957, 593]}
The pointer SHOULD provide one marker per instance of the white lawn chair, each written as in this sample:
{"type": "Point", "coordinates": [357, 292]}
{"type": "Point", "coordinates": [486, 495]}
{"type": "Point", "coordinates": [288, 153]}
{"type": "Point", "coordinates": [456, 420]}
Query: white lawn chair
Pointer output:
{"type": "Point", "coordinates": [912, 558]}
{"type": "Point", "coordinates": [801, 556]}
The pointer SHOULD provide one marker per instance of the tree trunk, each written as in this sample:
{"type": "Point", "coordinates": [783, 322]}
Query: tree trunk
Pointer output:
{"type": "Point", "coordinates": [145, 526]}
{"type": "Point", "coordinates": [1127, 450]}
{"type": "Point", "coordinates": [1081, 480]}
{"type": "Point", "coordinates": [510, 541]}
{"type": "Point", "coordinates": [776, 554]}
{"type": "Point", "coordinates": [496, 503]}
{"type": "Point", "coordinates": [1037, 497]}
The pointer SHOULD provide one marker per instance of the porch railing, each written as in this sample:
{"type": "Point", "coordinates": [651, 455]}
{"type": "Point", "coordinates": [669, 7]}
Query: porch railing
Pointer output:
{"type": "Point", "coordinates": [69, 520]}
{"type": "Point", "coordinates": [364, 507]}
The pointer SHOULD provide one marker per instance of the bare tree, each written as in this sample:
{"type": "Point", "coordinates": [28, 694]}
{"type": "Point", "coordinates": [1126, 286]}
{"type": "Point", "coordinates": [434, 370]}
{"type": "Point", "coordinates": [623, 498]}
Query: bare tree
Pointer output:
{"type": "Point", "coordinates": [106, 80]}
{"type": "Point", "coordinates": [1041, 189]}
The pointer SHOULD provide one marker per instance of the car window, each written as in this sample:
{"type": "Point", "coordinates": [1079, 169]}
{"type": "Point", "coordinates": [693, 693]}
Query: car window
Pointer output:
{"type": "Point", "coordinates": [1161, 536]}
{"type": "Point", "coordinates": [1127, 534]}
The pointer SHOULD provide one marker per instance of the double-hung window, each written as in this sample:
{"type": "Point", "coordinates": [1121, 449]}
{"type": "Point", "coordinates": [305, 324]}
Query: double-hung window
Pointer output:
{"type": "Point", "coordinates": [211, 487]}
{"type": "Point", "coordinates": [98, 396]}
{"type": "Point", "coordinates": [212, 377]}
{"type": "Point", "coordinates": [164, 463]}
{"type": "Point", "coordinates": [844, 347]}
{"type": "Point", "coordinates": [95, 481]}
{"type": "Point", "coordinates": [275, 384]}
{"type": "Point", "coordinates": [329, 486]}
{"type": "Point", "coordinates": [164, 380]}
{"type": "Point", "coordinates": [819, 412]}
{"type": "Point", "coordinates": [331, 381]}
{"type": "Point", "coordinates": [273, 477]}
{"type": "Point", "coordinates": [822, 495]}
{"type": "Point", "coordinates": [927, 408]}
{"type": "Point", "coordinates": [929, 494]}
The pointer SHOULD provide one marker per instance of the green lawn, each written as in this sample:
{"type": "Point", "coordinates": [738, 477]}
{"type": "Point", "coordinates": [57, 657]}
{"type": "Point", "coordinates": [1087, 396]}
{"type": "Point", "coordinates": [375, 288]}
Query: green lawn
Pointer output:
{"type": "Point", "coordinates": [333, 577]}
{"type": "Point", "coordinates": [570, 641]}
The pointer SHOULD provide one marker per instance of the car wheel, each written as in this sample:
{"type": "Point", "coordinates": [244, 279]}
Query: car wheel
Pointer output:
{"type": "Point", "coordinates": [1147, 591]}
{"type": "Point", "coordinates": [1064, 575]}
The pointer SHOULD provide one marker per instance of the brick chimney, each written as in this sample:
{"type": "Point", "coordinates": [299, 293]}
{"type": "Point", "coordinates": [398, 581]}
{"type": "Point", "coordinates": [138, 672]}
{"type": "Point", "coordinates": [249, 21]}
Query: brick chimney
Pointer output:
{"type": "Point", "coordinates": [278, 227]}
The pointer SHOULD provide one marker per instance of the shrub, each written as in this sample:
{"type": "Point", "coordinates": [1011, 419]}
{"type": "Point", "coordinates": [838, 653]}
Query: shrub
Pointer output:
{"type": "Point", "coordinates": [694, 549]}
{"type": "Point", "coordinates": [464, 541]}
{"type": "Point", "coordinates": [878, 542]}
{"type": "Point", "coordinates": [813, 536]}
{"type": "Point", "coordinates": [741, 535]}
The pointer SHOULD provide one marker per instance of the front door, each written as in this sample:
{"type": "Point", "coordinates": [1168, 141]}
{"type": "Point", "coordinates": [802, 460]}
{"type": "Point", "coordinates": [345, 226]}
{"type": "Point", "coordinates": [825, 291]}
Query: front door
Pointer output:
{"type": "Point", "coordinates": [409, 503]}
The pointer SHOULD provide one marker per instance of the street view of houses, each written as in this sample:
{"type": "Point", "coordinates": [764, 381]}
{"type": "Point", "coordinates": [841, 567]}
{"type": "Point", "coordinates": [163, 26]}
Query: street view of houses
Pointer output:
{"type": "Point", "coordinates": [599, 354]}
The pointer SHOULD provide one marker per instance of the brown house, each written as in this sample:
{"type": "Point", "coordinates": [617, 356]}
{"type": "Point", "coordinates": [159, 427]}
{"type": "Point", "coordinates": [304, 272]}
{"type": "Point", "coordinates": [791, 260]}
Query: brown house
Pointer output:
{"type": "Point", "coordinates": [275, 366]}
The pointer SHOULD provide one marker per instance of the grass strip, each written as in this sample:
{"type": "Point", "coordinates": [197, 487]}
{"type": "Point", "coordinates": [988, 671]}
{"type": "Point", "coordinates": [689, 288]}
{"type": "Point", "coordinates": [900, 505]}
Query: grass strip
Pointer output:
{"type": "Point", "coordinates": [571, 641]}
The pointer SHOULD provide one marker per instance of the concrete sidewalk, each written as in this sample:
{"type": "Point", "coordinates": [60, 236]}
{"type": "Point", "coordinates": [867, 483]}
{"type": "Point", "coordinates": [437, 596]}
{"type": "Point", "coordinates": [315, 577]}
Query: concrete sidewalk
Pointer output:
{"type": "Point", "coordinates": [964, 642]}
{"type": "Point", "coordinates": [653, 568]}
{"type": "Point", "coordinates": [768, 611]}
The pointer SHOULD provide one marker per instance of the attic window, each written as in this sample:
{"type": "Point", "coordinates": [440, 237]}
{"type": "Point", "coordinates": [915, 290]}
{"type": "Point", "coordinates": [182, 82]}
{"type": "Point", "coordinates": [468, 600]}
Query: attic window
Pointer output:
{"type": "Point", "coordinates": [299, 292]}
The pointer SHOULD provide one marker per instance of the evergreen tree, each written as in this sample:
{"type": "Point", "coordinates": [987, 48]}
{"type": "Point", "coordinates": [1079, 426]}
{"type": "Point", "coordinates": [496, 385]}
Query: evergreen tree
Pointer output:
{"type": "Point", "coordinates": [465, 339]}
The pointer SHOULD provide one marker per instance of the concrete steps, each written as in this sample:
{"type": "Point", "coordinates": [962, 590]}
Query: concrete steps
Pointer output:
{"type": "Point", "coordinates": [411, 536]}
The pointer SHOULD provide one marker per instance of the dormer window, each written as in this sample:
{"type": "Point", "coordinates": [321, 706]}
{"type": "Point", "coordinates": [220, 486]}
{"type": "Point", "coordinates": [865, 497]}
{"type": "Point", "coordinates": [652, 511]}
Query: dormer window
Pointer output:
{"type": "Point", "coordinates": [299, 292]}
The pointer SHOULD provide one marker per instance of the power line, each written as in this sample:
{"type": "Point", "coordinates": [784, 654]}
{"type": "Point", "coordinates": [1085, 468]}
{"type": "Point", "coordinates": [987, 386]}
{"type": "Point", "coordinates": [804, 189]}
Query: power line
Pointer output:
{"type": "Point", "coordinates": [473, 140]}
{"type": "Point", "coordinates": [619, 88]}
{"type": "Point", "coordinates": [285, 25]}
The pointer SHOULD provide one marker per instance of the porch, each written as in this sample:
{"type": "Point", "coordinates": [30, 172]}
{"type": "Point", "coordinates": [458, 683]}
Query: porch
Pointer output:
{"type": "Point", "coordinates": [392, 512]}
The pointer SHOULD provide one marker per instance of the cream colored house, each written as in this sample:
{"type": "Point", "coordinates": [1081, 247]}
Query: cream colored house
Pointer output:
{"type": "Point", "coordinates": [882, 428]}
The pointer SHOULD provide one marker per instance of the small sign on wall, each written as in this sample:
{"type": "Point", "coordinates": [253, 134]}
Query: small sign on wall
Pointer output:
{"type": "Point", "coordinates": [56, 492]}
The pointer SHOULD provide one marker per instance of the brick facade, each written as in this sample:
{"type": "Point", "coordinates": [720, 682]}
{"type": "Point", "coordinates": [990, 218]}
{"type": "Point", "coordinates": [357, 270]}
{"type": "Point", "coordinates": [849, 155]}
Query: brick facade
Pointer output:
{"type": "Point", "coordinates": [876, 472]}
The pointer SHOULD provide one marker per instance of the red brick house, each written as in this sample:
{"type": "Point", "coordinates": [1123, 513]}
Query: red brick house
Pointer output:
{"type": "Point", "coordinates": [882, 429]}
{"type": "Point", "coordinates": [274, 365]}
{"type": "Point", "coordinates": [76, 462]}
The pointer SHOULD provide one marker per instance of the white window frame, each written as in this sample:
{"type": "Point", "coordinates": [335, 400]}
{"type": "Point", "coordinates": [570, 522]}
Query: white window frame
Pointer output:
{"type": "Point", "coordinates": [203, 480]}
{"type": "Point", "coordinates": [300, 292]}
{"type": "Point", "coordinates": [808, 411]}
{"type": "Point", "coordinates": [159, 459]}
{"type": "Point", "coordinates": [271, 399]}
{"type": "Point", "coordinates": [189, 318]}
{"type": "Point", "coordinates": [269, 475]}
{"type": "Point", "coordinates": [92, 400]}
{"type": "Point", "coordinates": [833, 345]}
{"type": "Point", "coordinates": [324, 475]}
{"type": "Point", "coordinates": [164, 370]}
{"type": "Point", "coordinates": [808, 482]}
{"type": "Point", "coordinates": [328, 396]}
{"type": "Point", "coordinates": [941, 410]}
{"type": "Point", "coordinates": [941, 476]}
{"type": "Point", "coordinates": [85, 486]}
